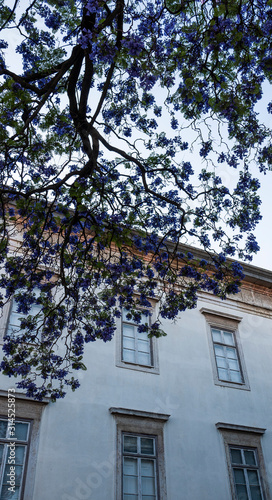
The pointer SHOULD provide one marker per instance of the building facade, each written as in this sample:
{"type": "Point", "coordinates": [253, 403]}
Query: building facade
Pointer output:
{"type": "Point", "coordinates": [184, 417]}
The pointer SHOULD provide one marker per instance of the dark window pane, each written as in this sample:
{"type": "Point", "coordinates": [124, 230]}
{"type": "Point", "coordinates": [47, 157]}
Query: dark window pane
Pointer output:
{"type": "Point", "coordinates": [250, 457]}
{"type": "Point", "coordinates": [236, 456]}
{"type": "Point", "coordinates": [130, 444]}
{"type": "Point", "coordinates": [147, 446]}
{"type": "Point", "coordinates": [241, 492]}
{"type": "Point", "coordinates": [253, 477]}
{"type": "Point", "coordinates": [239, 476]}
{"type": "Point", "coordinates": [3, 428]}
{"type": "Point", "coordinates": [255, 493]}
{"type": "Point", "coordinates": [21, 431]}
{"type": "Point", "coordinates": [6, 494]}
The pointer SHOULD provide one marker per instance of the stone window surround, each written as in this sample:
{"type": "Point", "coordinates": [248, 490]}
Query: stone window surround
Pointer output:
{"type": "Point", "coordinates": [243, 436]}
{"type": "Point", "coordinates": [229, 322]}
{"type": "Point", "coordinates": [30, 411]}
{"type": "Point", "coordinates": [145, 423]}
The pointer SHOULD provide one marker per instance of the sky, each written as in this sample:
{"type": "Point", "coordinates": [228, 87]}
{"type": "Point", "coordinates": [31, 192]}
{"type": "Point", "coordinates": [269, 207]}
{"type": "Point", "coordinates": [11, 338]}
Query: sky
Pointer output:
{"type": "Point", "coordinates": [263, 231]}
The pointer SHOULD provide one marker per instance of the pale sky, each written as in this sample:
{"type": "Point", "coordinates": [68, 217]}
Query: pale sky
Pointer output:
{"type": "Point", "coordinates": [263, 231]}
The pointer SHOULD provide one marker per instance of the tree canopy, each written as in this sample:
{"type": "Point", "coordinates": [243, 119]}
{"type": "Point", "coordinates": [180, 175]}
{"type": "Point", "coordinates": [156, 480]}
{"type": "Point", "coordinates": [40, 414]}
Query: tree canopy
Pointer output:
{"type": "Point", "coordinates": [116, 117]}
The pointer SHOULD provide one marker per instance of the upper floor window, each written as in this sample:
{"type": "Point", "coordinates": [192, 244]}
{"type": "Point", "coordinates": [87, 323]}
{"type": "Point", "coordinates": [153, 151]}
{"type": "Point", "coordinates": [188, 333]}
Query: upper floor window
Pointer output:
{"type": "Point", "coordinates": [136, 346]}
{"type": "Point", "coordinates": [226, 352]}
{"type": "Point", "coordinates": [15, 317]}
{"type": "Point", "coordinates": [226, 355]}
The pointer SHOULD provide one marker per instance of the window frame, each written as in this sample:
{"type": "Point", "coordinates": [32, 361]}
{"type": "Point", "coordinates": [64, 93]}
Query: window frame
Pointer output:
{"type": "Point", "coordinates": [229, 323]}
{"type": "Point", "coordinates": [121, 363]}
{"type": "Point", "coordinates": [244, 437]}
{"type": "Point", "coordinates": [37, 292]}
{"type": "Point", "coordinates": [246, 467]}
{"type": "Point", "coordinates": [143, 424]}
{"type": "Point", "coordinates": [224, 345]}
{"type": "Point", "coordinates": [25, 443]}
{"type": "Point", "coordinates": [5, 319]}
{"type": "Point", "coordinates": [136, 342]}
{"type": "Point", "coordinates": [139, 456]}
{"type": "Point", "coordinates": [30, 411]}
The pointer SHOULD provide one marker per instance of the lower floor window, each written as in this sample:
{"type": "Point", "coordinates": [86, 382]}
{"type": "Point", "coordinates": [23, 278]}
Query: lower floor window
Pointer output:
{"type": "Point", "coordinates": [246, 475]}
{"type": "Point", "coordinates": [139, 467]}
{"type": "Point", "coordinates": [245, 461]}
{"type": "Point", "coordinates": [14, 439]}
{"type": "Point", "coordinates": [140, 464]}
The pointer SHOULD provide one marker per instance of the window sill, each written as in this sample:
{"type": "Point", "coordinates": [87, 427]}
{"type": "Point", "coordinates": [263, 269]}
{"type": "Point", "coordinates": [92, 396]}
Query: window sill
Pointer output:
{"type": "Point", "coordinates": [139, 368]}
{"type": "Point", "coordinates": [233, 385]}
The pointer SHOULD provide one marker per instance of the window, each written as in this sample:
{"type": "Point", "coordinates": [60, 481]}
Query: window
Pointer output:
{"type": "Point", "coordinates": [140, 462]}
{"type": "Point", "coordinates": [14, 320]}
{"type": "Point", "coordinates": [245, 461]}
{"type": "Point", "coordinates": [134, 349]}
{"type": "Point", "coordinates": [226, 350]}
{"type": "Point", "coordinates": [136, 346]}
{"type": "Point", "coordinates": [139, 468]}
{"type": "Point", "coordinates": [26, 432]}
{"type": "Point", "coordinates": [226, 355]}
{"type": "Point", "coordinates": [13, 453]}
{"type": "Point", "coordinates": [246, 473]}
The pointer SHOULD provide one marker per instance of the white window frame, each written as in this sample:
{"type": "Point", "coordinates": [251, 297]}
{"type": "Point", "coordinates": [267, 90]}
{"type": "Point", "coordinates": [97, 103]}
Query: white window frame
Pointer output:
{"type": "Point", "coordinates": [246, 468]}
{"type": "Point", "coordinates": [121, 363]}
{"type": "Point", "coordinates": [136, 349]}
{"type": "Point", "coordinates": [6, 457]}
{"type": "Point", "coordinates": [138, 456]}
{"type": "Point", "coordinates": [229, 323]}
{"type": "Point", "coordinates": [224, 345]}
{"type": "Point", "coordinates": [29, 411]}
{"type": "Point", "coordinates": [246, 438]}
{"type": "Point", "coordinates": [12, 310]}
{"type": "Point", "coordinates": [5, 318]}
{"type": "Point", "coordinates": [142, 424]}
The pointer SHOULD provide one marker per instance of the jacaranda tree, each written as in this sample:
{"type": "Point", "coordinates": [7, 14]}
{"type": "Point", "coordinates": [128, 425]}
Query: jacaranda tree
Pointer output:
{"type": "Point", "coordinates": [101, 102]}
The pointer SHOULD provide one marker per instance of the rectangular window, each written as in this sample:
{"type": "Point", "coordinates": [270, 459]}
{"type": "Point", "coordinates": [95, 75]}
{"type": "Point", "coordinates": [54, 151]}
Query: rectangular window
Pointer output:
{"type": "Point", "coordinates": [14, 321]}
{"type": "Point", "coordinates": [228, 363]}
{"type": "Point", "coordinates": [226, 356]}
{"type": "Point", "coordinates": [140, 464]}
{"type": "Point", "coordinates": [13, 458]}
{"type": "Point", "coordinates": [246, 476]}
{"type": "Point", "coordinates": [139, 468]}
{"type": "Point", "coordinates": [245, 461]}
{"type": "Point", "coordinates": [136, 346]}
